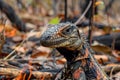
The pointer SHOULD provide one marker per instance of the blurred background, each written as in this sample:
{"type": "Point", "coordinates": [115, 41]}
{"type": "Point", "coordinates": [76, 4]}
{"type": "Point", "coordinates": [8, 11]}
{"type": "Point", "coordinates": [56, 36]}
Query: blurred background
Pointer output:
{"type": "Point", "coordinates": [23, 21]}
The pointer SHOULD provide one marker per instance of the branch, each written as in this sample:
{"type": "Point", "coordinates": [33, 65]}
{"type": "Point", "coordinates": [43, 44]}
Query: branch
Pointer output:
{"type": "Point", "coordinates": [78, 21]}
{"type": "Point", "coordinates": [15, 72]}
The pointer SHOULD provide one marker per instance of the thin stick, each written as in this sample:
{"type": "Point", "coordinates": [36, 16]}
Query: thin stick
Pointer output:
{"type": "Point", "coordinates": [91, 22]}
{"type": "Point", "coordinates": [15, 72]}
{"type": "Point", "coordinates": [88, 7]}
{"type": "Point", "coordinates": [65, 16]}
{"type": "Point", "coordinates": [12, 53]}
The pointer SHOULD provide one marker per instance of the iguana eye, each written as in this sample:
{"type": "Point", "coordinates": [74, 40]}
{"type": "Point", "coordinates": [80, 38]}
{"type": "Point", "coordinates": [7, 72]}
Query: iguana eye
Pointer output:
{"type": "Point", "coordinates": [67, 31]}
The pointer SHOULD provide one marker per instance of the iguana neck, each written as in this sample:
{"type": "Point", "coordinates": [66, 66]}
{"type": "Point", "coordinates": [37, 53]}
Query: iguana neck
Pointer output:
{"type": "Point", "coordinates": [70, 55]}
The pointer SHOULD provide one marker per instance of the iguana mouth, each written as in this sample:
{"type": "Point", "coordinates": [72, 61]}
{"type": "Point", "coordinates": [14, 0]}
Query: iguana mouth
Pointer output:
{"type": "Point", "coordinates": [53, 43]}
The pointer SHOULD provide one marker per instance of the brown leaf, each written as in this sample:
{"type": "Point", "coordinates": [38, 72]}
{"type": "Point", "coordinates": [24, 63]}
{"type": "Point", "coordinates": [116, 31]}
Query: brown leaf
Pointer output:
{"type": "Point", "coordinates": [101, 57]}
{"type": "Point", "coordinates": [101, 48]}
{"type": "Point", "coordinates": [39, 54]}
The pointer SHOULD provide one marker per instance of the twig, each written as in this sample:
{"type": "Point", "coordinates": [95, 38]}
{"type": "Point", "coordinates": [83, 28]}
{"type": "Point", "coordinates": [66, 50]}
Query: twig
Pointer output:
{"type": "Point", "coordinates": [111, 72]}
{"type": "Point", "coordinates": [88, 7]}
{"type": "Point", "coordinates": [91, 22]}
{"type": "Point", "coordinates": [12, 53]}
{"type": "Point", "coordinates": [15, 72]}
{"type": "Point", "coordinates": [65, 16]}
{"type": "Point", "coordinates": [37, 74]}
{"type": "Point", "coordinates": [113, 68]}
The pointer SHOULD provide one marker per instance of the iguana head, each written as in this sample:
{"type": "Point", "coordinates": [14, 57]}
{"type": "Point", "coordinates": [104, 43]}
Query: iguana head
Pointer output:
{"type": "Point", "coordinates": [61, 35]}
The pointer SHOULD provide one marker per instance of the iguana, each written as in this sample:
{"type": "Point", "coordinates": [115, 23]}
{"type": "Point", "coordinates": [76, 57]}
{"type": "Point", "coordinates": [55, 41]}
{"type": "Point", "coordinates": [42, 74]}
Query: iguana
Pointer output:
{"type": "Point", "coordinates": [73, 45]}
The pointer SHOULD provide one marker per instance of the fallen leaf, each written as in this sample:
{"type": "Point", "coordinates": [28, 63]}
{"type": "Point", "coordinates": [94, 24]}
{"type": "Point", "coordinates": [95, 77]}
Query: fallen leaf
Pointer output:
{"type": "Point", "coordinates": [101, 48]}
{"type": "Point", "coordinates": [104, 58]}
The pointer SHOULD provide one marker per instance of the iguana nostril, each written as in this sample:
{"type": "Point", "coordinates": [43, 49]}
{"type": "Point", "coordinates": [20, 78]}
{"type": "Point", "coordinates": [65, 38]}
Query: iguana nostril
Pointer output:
{"type": "Point", "coordinates": [48, 37]}
{"type": "Point", "coordinates": [44, 38]}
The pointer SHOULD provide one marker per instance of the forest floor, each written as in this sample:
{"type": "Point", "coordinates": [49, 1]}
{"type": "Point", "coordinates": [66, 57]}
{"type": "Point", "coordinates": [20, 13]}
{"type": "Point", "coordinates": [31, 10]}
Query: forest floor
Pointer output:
{"type": "Point", "coordinates": [23, 58]}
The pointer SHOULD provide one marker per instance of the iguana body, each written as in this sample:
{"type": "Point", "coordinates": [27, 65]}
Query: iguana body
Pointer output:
{"type": "Point", "coordinates": [81, 65]}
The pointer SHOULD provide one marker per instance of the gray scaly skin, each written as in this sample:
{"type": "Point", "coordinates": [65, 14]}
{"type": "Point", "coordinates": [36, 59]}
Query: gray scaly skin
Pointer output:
{"type": "Point", "coordinates": [72, 44]}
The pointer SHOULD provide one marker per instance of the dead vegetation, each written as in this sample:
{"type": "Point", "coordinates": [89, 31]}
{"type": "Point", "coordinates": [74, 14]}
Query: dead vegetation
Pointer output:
{"type": "Point", "coordinates": [23, 58]}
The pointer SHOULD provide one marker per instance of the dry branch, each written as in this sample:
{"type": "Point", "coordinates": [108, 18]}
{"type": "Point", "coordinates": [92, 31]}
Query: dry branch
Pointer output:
{"type": "Point", "coordinates": [111, 68]}
{"type": "Point", "coordinates": [12, 72]}
{"type": "Point", "coordinates": [16, 72]}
